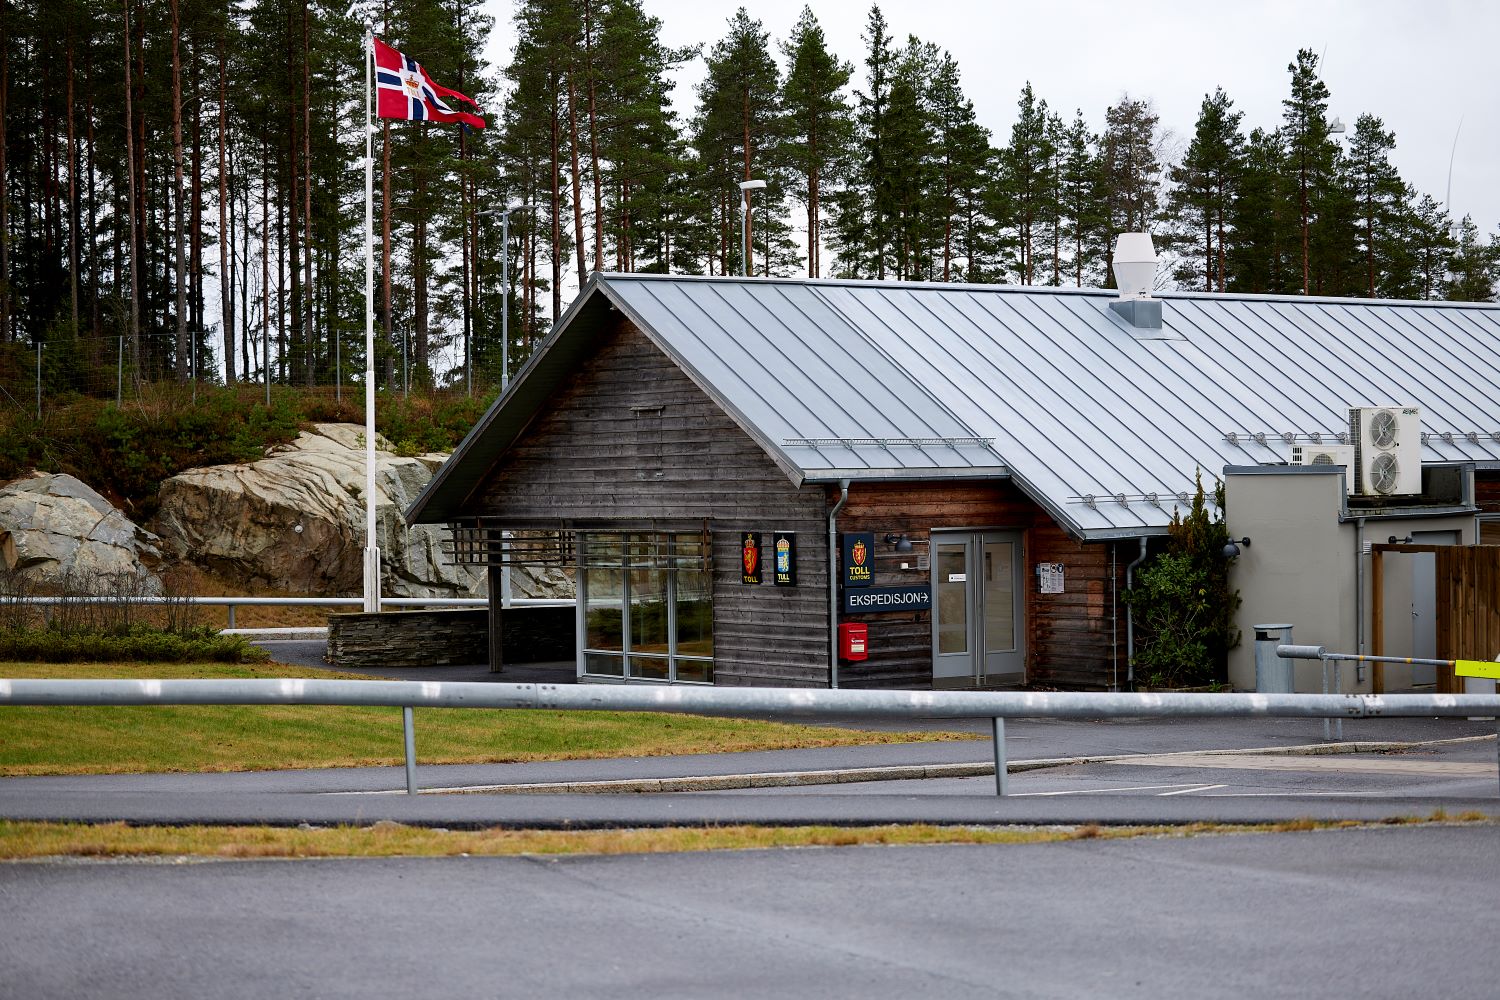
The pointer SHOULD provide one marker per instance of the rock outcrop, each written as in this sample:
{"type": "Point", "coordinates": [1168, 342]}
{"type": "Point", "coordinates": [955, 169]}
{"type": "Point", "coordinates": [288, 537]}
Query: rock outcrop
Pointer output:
{"type": "Point", "coordinates": [295, 521]}
{"type": "Point", "coordinates": [56, 532]}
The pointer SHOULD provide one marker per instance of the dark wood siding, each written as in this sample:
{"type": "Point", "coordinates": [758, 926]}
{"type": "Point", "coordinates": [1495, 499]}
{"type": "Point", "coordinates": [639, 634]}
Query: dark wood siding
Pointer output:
{"type": "Point", "coordinates": [1073, 639]}
{"type": "Point", "coordinates": [1487, 492]}
{"type": "Point", "coordinates": [633, 440]}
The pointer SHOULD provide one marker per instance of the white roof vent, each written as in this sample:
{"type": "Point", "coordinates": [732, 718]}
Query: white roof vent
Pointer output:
{"type": "Point", "coordinates": [1135, 274]}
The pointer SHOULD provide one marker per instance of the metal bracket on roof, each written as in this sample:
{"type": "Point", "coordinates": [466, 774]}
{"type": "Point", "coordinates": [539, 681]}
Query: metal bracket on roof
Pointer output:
{"type": "Point", "coordinates": [887, 442]}
{"type": "Point", "coordinates": [1290, 437]}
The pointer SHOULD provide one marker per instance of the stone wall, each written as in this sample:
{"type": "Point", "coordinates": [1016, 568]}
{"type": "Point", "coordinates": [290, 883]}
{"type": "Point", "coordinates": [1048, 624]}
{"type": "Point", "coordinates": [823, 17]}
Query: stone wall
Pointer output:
{"type": "Point", "coordinates": [443, 638]}
{"type": "Point", "coordinates": [408, 638]}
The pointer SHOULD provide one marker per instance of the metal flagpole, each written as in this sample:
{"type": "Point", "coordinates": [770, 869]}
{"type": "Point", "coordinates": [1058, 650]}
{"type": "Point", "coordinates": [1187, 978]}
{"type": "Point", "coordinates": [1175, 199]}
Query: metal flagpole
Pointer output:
{"type": "Point", "coordinates": [372, 551]}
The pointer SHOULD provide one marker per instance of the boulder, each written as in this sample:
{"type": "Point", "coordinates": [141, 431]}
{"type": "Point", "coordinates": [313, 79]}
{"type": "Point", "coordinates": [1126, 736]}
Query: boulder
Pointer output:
{"type": "Point", "coordinates": [295, 521]}
{"type": "Point", "coordinates": [57, 533]}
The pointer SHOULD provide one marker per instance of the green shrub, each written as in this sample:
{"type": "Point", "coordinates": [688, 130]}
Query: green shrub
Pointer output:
{"type": "Point", "coordinates": [1182, 602]}
{"type": "Point", "coordinates": [139, 644]}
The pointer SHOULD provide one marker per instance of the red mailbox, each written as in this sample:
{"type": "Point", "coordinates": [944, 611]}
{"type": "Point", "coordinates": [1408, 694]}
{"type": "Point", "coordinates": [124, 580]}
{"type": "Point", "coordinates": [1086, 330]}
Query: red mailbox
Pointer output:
{"type": "Point", "coordinates": [854, 641]}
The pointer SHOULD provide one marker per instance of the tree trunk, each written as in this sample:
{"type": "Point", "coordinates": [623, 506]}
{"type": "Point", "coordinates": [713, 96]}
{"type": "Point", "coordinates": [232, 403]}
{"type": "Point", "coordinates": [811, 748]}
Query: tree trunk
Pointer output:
{"type": "Point", "coordinates": [588, 50]}
{"type": "Point", "coordinates": [308, 339]}
{"type": "Point", "coordinates": [556, 206]}
{"type": "Point", "coordinates": [577, 181]}
{"type": "Point", "coordinates": [72, 196]}
{"type": "Point", "coordinates": [265, 257]}
{"type": "Point", "coordinates": [88, 145]}
{"type": "Point", "coordinates": [178, 238]}
{"type": "Point", "coordinates": [5, 332]}
{"type": "Point", "coordinates": [195, 226]}
{"type": "Point", "coordinates": [135, 283]}
{"type": "Point", "coordinates": [226, 237]}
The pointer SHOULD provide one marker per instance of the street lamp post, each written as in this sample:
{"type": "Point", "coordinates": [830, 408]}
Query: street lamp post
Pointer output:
{"type": "Point", "coordinates": [505, 290]}
{"type": "Point", "coordinates": [745, 188]}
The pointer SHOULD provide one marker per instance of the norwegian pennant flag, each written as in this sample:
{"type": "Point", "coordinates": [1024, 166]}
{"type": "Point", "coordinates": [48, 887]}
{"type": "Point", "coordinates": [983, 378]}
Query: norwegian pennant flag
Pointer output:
{"type": "Point", "coordinates": [404, 90]}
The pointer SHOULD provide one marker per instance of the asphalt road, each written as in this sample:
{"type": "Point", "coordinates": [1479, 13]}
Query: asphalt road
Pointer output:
{"type": "Point", "coordinates": [1390, 912]}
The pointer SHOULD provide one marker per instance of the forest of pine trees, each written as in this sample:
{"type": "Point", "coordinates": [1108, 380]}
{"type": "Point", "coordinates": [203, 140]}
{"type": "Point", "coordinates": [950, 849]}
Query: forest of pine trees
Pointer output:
{"type": "Point", "coordinates": [183, 183]}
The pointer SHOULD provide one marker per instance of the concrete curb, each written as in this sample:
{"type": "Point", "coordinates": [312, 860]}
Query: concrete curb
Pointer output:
{"type": "Point", "coordinates": [782, 779]}
{"type": "Point", "coordinates": [310, 633]}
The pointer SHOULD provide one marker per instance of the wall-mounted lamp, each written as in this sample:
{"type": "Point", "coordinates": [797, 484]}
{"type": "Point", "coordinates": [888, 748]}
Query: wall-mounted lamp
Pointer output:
{"type": "Point", "coordinates": [901, 542]}
{"type": "Point", "coordinates": [1393, 540]}
{"type": "Point", "coordinates": [1233, 548]}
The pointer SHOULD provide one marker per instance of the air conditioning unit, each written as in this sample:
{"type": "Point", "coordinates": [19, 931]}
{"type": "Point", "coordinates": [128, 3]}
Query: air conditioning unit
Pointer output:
{"type": "Point", "coordinates": [1327, 454]}
{"type": "Point", "coordinates": [1388, 450]}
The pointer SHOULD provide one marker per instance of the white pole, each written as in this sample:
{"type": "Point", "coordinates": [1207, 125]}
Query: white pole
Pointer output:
{"type": "Point", "coordinates": [372, 551]}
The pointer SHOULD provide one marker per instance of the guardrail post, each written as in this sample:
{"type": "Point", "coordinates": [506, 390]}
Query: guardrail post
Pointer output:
{"type": "Point", "coordinates": [1327, 723]}
{"type": "Point", "coordinates": [231, 616]}
{"type": "Point", "coordinates": [408, 727]}
{"type": "Point", "coordinates": [1002, 770]}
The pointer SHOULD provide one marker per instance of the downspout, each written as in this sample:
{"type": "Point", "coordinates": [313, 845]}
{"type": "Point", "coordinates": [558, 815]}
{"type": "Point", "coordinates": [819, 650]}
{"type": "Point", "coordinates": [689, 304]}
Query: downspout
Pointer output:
{"type": "Point", "coordinates": [1130, 618]}
{"type": "Point", "coordinates": [1359, 588]}
{"type": "Point", "coordinates": [833, 585]}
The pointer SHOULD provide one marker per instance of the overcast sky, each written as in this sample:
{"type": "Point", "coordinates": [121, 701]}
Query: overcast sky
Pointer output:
{"type": "Point", "coordinates": [1420, 66]}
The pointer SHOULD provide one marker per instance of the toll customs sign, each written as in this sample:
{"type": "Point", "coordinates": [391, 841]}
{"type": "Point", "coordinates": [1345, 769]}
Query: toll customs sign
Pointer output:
{"type": "Point", "coordinates": [859, 558]}
{"type": "Point", "coordinates": [750, 557]}
{"type": "Point", "coordinates": [784, 552]}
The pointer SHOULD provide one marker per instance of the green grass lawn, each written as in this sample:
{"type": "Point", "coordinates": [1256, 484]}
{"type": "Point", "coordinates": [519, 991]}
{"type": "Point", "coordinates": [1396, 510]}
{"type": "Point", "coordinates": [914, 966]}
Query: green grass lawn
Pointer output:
{"type": "Point", "coordinates": [131, 739]}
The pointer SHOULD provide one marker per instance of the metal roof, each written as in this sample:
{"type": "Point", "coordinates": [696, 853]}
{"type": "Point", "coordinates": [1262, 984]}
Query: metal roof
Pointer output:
{"type": "Point", "coordinates": [1103, 424]}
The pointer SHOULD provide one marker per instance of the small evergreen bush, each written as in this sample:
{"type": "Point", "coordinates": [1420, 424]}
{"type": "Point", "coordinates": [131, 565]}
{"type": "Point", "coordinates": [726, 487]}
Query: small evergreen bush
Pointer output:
{"type": "Point", "coordinates": [1183, 604]}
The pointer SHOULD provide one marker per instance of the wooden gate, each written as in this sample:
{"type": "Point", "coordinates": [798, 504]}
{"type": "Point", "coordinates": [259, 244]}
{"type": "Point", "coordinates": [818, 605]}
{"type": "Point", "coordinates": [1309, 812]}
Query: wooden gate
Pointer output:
{"type": "Point", "coordinates": [1467, 603]}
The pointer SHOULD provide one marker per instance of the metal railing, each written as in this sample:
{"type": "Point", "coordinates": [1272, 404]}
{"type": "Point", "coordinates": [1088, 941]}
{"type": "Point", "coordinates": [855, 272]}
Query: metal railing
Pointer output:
{"type": "Point", "coordinates": [787, 702]}
{"type": "Point", "coordinates": [288, 602]}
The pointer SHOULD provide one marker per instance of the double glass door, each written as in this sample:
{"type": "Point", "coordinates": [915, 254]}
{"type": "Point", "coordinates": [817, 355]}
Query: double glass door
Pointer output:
{"type": "Point", "coordinates": [978, 623]}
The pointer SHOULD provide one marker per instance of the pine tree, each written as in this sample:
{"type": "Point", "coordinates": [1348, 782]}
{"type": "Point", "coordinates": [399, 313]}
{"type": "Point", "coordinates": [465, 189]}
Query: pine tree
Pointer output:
{"type": "Point", "coordinates": [1474, 267]}
{"type": "Point", "coordinates": [1380, 195]}
{"type": "Point", "coordinates": [819, 123]}
{"type": "Point", "coordinates": [737, 134]}
{"type": "Point", "coordinates": [1311, 153]}
{"type": "Point", "coordinates": [964, 162]}
{"type": "Point", "coordinates": [1025, 180]}
{"type": "Point", "coordinates": [1206, 187]}
{"type": "Point", "coordinates": [1264, 257]}
{"type": "Point", "coordinates": [910, 166]}
{"type": "Point", "coordinates": [1078, 202]}
{"type": "Point", "coordinates": [863, 214]}
{"type": "Point", "coordinates": [1130, 168]}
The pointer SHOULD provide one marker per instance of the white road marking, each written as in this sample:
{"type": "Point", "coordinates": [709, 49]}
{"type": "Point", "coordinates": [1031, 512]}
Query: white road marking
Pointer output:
{"type": "Point", "coordinates": [1096, 791]}
{"type": "Point", "coordinates": [1196, 788]}
{"type": "Point", "coordinates": [1340, 763]}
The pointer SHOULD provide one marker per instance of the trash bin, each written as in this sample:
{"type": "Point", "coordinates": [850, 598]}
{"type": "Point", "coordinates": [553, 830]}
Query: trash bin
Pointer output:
{"type": "Point", "coordinates": [1273, 674]}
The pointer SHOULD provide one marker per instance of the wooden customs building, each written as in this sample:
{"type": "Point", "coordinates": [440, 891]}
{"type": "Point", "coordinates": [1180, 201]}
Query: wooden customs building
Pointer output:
{"type": "Point", "coordinates": [735, 467]}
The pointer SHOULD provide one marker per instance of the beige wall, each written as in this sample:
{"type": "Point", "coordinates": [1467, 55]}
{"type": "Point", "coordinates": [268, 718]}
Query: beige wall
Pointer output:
{"type": "Point", "coordinates": [1300, 568]}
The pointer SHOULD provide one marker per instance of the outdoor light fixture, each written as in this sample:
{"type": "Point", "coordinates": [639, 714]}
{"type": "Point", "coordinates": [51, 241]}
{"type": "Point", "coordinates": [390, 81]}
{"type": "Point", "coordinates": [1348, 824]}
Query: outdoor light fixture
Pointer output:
{"type": "Point", "coordinates": [1393, 540]}
{"type": "Point", "coordinates": [901, 542]}
{"type": "Point", "coordinates": [1233, 548]}
{"type": "Point", "coordinates": [745, 188]}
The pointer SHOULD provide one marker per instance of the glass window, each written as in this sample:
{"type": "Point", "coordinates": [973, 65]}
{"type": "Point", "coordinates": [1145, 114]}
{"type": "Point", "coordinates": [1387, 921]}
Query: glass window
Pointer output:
{"type": "Point", "coordinates": [604, 664]}
{"type": "Point", "coordinates": [647, 601]}
{"type": "Point", "coordinates": [952, 597]}
{"type": "Point", "coordinates": [648, 611]}
{"type": "Point", "coordinates": [1489, 531]}
{"type": "Point", "coordinates": [651, 668]}
{"type": "Point", "coordinates": [604, 591]}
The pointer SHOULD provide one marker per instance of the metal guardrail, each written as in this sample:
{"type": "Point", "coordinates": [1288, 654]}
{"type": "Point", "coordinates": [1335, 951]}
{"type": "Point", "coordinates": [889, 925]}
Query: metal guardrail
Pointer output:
{"type": "Point", "coordinates": [288, 602]}
{"type": "Point", "coordinates": [788, 702]}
